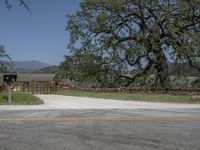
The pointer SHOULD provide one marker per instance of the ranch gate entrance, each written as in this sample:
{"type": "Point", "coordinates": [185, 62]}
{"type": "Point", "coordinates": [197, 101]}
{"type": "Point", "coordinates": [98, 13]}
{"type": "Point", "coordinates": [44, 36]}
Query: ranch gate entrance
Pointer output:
{"type": "Point", "coordinates": [35, 87]}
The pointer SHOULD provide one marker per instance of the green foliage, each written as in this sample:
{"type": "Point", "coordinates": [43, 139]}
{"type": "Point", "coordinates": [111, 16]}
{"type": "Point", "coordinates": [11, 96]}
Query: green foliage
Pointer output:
{"type": "Point", "coordinates": [20, 99]}
{"type": "Point", "coordinates": [86, 67]}
{"type": "Point", "coordinates": [125, 39]}
{"type": "Point", "coordinates": [5, 60]}
{"type": "Point", "coordinates": [133, 96]}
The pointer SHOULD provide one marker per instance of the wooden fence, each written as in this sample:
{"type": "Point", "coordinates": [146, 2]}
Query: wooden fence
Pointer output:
{"type": "Point", "coordinates": [34, 87]}
{"type": "Point", "coordinates": [173, 91]}
{"type": "Point", "coordinates": [47, 87]}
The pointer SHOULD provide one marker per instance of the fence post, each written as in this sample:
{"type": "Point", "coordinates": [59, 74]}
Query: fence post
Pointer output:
{"type": "Point", "coordinates": [9, 93]}
{"type": "Point", "coordinates": [54, 86]}
{"type": "Point", "coordinates": [28, 86]}
{"type": "Point", "coordinates": [33, 86]}
{"type": "Point", "coordinates": [23, 88]}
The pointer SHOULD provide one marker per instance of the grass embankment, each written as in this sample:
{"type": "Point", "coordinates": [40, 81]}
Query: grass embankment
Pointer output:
{"type": "Point", "coordinates": [150, 97]}
{"type": "Point", "coordinates": [20, 99]}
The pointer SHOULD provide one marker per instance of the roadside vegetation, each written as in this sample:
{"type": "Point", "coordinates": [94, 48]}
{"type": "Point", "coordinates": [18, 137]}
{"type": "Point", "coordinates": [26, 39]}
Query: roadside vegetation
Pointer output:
{"type": "Point", "coordinates": [20, 99]}
{"type": "Point", "coordinates": [150, 97]}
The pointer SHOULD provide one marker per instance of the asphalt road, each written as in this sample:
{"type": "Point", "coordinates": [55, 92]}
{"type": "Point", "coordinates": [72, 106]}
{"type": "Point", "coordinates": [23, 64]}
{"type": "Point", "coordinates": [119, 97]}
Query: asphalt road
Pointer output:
{"type": "Point", "coordinates": [100, 129]}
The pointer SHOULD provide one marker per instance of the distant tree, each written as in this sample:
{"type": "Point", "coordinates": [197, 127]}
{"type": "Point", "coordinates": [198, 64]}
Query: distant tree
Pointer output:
{"type": "Point", "coordinates": [5, 60]}
{"type": "Point", "coordinates": [83, 67]}
{"type": "Point", "coordinates": [87, 67]}
{"type": "Point", "coordinates": [137, 37]}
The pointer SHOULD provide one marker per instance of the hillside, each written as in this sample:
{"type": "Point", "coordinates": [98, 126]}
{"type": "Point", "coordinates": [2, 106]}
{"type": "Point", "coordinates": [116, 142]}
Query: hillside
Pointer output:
{"type": "Point", "coordinates": [51, 69]}
{"type": "Point", "coordinates": [28, 66]}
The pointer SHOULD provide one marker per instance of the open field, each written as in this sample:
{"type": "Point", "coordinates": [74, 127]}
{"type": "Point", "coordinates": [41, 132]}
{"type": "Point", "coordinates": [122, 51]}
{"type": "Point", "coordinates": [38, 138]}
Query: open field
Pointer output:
{"type": "Point", "coordinates": [20, 99]}
{"type": "Point", "coordinates": [132, 96]}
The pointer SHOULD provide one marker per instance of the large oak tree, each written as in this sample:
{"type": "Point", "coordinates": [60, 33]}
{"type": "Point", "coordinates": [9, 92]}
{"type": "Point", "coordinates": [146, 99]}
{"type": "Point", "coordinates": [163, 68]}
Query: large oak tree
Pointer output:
{"type": "Point", "coordinates": [137, 37]}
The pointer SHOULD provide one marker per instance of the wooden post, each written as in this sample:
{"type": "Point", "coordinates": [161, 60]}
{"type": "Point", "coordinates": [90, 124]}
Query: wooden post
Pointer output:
{"type": "Point", "coordinates": [9, 93]}
{"type": "Point", "coordinates": [39, 87]}
{"type": "Point", "coordinates": [20, 87]}
{"type": "Point", "coordinates": [28, 86]}
{"type": "Point", "coordinates": [23, 87]}
{"type": "Point", "coordinates": [33, 87]}
{"type": "Point", "coordinates": [43, 87]}
{"type": "Point", "coordinates": [54, 86]}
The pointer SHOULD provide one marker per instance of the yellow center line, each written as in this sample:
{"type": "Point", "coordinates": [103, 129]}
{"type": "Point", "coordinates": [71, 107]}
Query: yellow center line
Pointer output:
{"type": "Point", "coordinates": [106, 118]}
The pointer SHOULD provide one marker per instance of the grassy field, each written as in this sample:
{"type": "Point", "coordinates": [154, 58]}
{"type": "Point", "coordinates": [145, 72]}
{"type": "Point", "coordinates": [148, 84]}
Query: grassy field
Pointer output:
{"type": "Point", "coordinates": [133, 96]}
{"type": "Point", "coordinates": [20, 99]}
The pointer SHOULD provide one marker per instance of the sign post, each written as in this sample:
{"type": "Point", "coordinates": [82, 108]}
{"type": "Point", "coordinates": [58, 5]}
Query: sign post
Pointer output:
{"type": "Point", "coordinates": [8, 79]}
{"type": "Point", "coordinates": [9, 93]}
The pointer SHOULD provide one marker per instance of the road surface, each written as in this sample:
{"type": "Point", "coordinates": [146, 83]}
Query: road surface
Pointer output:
{"type": "Point", "coordinates": [99, 125]}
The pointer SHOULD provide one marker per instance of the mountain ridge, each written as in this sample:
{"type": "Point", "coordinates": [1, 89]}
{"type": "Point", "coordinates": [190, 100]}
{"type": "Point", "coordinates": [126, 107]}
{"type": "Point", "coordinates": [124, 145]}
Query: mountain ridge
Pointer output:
{"type": "Point", "coordinates": [28, 66]}
{"type": "Point", "coordinates": [50, 69]}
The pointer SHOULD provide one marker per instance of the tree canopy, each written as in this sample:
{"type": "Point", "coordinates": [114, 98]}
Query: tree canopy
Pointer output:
{"type": "Point", "coordinates": [5, 60]}
{"type": "Point", "coordinates": [134, 38]}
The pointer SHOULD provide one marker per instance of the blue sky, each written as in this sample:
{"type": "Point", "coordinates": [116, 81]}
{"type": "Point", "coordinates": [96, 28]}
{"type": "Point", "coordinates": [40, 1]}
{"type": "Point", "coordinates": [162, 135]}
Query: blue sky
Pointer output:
{"type": "Point", "coordinates": [40, 36]}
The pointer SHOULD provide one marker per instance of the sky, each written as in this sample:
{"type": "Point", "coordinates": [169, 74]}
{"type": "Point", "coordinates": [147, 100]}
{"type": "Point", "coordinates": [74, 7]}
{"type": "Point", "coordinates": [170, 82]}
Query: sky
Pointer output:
{"type": "Point", "coordinates": [38, 36]}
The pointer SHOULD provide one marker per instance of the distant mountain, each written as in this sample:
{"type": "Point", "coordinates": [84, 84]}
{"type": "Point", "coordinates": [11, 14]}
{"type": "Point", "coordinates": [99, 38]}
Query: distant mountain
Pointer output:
{"type": "Point", "coordinates": [33, 64]}
{"type": "Point", "coordinates": [22, 70]}
{"type": "Point", "coordinates": [28, 66]}
{"type": "Point", "coordinates": [48, 70]}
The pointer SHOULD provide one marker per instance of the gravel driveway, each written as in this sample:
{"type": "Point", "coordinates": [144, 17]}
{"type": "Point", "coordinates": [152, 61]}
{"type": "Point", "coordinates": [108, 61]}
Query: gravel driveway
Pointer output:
{"type": "Point", "coordinates": [71, 102]}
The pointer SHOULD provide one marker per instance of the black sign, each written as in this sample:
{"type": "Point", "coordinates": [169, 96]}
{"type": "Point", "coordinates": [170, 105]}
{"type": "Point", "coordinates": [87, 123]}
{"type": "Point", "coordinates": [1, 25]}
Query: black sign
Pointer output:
{"type": "Point", "coordinates": [9, 78]}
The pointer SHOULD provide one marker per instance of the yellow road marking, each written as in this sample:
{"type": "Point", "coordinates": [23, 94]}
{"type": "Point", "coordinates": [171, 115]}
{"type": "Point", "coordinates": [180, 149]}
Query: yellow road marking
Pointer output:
{"type": "Point", "coordinates": [111, 118]}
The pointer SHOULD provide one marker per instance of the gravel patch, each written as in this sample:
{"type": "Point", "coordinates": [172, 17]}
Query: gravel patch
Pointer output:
{"type": "Point", "coordinates": [71, 102]}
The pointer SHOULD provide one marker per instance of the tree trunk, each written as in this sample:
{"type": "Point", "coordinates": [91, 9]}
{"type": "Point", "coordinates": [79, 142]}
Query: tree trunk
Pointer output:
{"type": "Point", "coordinates": [162, 69]}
